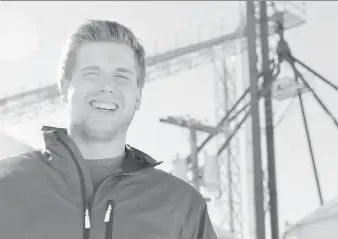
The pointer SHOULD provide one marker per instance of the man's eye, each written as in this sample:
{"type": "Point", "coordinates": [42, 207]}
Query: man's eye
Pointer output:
{"type": "Point", "coordinates": [91, 74]}
{"type": "Point", "coordinates": [122, 77]}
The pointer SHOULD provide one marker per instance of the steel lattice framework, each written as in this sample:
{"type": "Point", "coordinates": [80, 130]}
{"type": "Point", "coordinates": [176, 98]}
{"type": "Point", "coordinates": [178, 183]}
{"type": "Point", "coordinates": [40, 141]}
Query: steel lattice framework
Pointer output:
{"type": "Point", "coordinates": [226, 96]}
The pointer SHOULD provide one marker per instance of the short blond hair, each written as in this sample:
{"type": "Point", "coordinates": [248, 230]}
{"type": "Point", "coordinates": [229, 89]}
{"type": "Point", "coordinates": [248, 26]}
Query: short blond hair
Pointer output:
{"type": "Point", "coordinates": [96, 31]}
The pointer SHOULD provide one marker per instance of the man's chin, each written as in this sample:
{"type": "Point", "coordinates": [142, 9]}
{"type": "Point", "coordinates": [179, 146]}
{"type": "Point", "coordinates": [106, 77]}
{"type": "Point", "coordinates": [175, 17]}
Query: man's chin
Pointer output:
{"type": "Point", "coordinates": [101, 129]}
{"type": "Point", "coordinates": [100, 133]}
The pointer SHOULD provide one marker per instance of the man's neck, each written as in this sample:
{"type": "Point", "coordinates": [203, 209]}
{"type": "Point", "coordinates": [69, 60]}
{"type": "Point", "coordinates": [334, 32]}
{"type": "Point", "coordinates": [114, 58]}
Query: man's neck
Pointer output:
{"type": "Point", "coordinates": [91, 149]}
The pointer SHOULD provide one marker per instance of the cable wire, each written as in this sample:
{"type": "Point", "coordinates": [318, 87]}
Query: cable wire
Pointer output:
{"type": "Point", "coordinates": [283, 114]}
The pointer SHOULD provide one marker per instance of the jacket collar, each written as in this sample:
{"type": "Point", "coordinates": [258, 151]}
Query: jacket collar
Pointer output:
{"type": "Point", "coordinates": [135, 159]}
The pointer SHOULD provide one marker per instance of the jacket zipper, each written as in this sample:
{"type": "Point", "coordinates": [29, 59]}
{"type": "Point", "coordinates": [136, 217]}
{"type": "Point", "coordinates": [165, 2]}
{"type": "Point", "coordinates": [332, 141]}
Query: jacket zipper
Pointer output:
{"type": "Point", "coordinates": [110, 202]}
{"type": "Point", "coordinates": [90, 205]}
{"type": "Point", "coordinates": [108, 219]}
{"type": "Point", "coordinates": [85, 209]}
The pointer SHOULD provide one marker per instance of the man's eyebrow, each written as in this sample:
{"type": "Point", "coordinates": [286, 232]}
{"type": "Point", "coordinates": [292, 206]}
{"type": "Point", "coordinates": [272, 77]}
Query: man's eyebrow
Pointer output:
{"type": "Point", "coordinates": [124, 70]}
{"type": "Point", "coordinates": [90, 68]}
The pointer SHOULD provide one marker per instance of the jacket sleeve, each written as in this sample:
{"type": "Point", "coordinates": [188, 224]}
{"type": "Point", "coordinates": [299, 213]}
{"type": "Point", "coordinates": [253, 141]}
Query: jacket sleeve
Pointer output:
{"type": "Point", "coordinates": [198, 225]}
{"type": "Point", "coordinates": [12, 224]}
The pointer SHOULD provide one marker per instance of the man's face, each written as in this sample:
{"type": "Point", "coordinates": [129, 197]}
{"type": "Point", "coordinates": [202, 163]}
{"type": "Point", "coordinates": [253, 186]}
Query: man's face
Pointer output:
{"type": "Point", "coordinates": [103, 93]}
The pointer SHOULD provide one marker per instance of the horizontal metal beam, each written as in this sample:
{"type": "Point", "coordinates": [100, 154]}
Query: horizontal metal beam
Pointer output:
{"type": "Point", "coordinates": [42, 93]}
{"type": "Point", "coordinates": [167, 56]}
{"type": "Point", "coordinates": [191, 124]}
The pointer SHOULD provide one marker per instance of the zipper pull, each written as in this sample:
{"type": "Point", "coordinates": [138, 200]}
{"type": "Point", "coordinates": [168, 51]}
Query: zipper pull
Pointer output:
{"type": "Point", "coordinates": [108, 212]}
{"type": "Point", "coordinates": [87, 219]}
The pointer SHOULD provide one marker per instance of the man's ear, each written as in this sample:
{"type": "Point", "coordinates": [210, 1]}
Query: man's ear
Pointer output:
{"type": "Point", "coordinates": [64, 94]}
{"type": "Point", "coordinates": [138, 98]}
{"type": "Point", "coordinates": [63, 101]}
{"type": "Point", "coordinates": [64, 98]}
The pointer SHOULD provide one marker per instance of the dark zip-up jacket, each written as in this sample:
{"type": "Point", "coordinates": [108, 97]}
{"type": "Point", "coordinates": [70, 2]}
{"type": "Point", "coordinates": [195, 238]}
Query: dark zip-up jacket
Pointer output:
{"type": "Point", "coordinates": [49, 195]}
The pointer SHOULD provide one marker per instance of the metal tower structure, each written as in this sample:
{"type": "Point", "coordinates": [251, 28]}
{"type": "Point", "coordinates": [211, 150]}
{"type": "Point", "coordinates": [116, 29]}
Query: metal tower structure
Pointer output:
{"type": "Point", "coordinates": [222, 49]}
{"type": "Point", "coordinates": [226, 94]}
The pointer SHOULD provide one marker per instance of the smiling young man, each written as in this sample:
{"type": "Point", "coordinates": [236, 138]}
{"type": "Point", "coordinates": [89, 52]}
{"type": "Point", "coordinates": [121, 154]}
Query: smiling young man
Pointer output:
{"type": "Point", "coordinates": [88, 183]}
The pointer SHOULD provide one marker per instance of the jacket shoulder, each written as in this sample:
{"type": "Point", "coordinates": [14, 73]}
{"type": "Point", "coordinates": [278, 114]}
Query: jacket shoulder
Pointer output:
{"type": "Point", "coordinates": [193, 220]}
{"type": "Point", "coordinates": [179, 188]}
{"type": "Point", "coordinates": [21, 164]}
{"type": "Point", "coordinates": [18, 183]}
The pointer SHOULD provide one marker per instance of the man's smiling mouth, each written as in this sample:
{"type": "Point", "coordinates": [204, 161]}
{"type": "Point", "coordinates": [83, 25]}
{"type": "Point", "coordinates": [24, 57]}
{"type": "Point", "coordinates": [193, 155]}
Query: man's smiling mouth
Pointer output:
{"type": "Point", "coordinates": [103, 105]}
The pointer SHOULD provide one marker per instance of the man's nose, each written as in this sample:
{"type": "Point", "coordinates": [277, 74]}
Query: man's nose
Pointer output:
{"type": "Point", "coordinates": [108, 86]}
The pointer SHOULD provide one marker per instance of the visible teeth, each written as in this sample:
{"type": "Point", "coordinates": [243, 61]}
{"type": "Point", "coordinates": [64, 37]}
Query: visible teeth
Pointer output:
{"type": "Point", "coordinates": [103, 105]}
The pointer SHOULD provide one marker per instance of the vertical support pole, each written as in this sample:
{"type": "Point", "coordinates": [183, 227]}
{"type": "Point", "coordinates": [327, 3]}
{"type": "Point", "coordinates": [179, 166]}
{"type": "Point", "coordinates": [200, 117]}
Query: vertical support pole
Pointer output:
{"type": "Point", "coordinates": [229, 158]}
{"type": "Point", "coordinates": [256, 137]}
{"type": "Point", "coordinates": [194, 158]}
{"type": "Point", "coordinates": [269, 131]}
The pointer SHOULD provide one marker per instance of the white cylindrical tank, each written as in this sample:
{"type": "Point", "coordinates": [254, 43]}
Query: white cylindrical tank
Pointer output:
{"type": "Point", "coordinates": [320, 224]}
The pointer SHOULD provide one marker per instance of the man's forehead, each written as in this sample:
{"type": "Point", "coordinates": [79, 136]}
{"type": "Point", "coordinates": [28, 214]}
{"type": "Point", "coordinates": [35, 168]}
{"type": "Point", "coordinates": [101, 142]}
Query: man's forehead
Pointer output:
{"type": "Point", "coordinates": [110, 50]}
{"type": "Point", "coordinates": [105, 53]}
